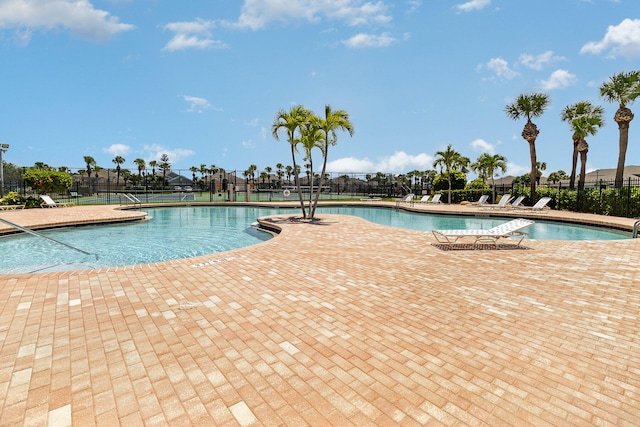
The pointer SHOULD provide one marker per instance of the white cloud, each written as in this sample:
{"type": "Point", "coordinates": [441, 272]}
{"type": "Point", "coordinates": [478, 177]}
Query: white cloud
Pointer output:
{"type": "Point", "coordinates": [154, 151]}
{"type": "Point", "coordinates": [517, 170]}
{"type": "Point", "coordinates": [536, 62]}
{"type": "Point", "coordinates": [192, 35]}
{"type": "Point", "coordinates": [78, 16]}
{"type": "Point", "coordinates": [559, 79]}
{"type": "Point", "coordinates": [398, 162]}
{"type": "Point", "coordinates": [413, 5]}
{"type": "Point", "coordinates": [196, 105]}
{"type": "Point", "coordinates": [622, 39]}
{"type": "Point", "coordinates": [501, 68]}
{"type": "Point", "coordinates": [482, 146]}
{"type": "Point", "coordinates": [473, 5]}
{"type": "Point", "coordinates": [258, 13]}
{"type": "Point", "coordinates": [363, 40]}
{"type": "Point", "coordinates": [117, 149]}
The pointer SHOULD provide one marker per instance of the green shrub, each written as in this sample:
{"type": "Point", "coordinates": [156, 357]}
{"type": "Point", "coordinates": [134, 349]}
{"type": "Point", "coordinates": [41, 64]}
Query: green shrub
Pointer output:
{"type": "Point", "coordinates": [47, 181]}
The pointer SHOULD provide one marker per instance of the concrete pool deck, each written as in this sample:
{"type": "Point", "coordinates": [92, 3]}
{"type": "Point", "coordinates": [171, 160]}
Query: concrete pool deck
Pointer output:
{"type": "Point", "coordinates": [342, 322]}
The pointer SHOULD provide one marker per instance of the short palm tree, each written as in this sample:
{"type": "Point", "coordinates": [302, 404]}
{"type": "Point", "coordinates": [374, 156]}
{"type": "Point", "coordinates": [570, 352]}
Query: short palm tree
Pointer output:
{"type": "Point", "coordinates": [584, 124]}
{"type": "Point", "coordinates": [487, 165]}
{"type": "Point", "coordinates": [622, 88]}
{"type": "Point", "coordinates": [529, 106]}
{"type": "Point", "coordinates": [291, 121]}
{"type": "Point", "coordinates": [451, 160]}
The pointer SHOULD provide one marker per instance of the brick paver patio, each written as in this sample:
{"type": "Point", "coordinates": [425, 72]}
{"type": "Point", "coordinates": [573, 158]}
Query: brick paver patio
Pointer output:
{"type": "Point", "coordinates": [338, 323]}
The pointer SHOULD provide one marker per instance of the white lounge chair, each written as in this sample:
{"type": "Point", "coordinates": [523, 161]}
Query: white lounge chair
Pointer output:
{"type": "Point", "coordinates": [516, 203]}
{"type": "Point", "coordinates": [540, 205]}
{"type": "Point", "coordinates": [481, 201]}
{"type": "Point", "coordinates": [424, 199]}
{"type": "Point", "coordinates": [512, 228]}
{"type": "Point", "coordinates": [407, 199]}
{"type": "Point", "coordinates": [47, 202]}
{"type": "Point", "coordinates": [501, 204]}
{"type": "Point", "coordinates": [436, 198]}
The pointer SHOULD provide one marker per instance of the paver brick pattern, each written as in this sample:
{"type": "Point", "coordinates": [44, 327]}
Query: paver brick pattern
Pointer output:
{"type": "Point", "coordinates": [340, 322]}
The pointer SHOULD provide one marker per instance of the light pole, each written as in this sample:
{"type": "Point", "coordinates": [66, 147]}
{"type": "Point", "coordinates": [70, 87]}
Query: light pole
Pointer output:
{"type": "Point", "coordinates": [3, 149]}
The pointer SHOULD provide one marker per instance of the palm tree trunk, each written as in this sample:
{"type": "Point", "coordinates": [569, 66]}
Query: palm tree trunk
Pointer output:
{"type": "Point", "coordinates": [449, 177]}
{"type": "Point", "coordinates": [532, 176]}
{"type": "Point", "coordinates": [583, 169]}
{"type": "Point", "coordinates": [324, 168]}
{"type": "Point", "coordinates": [624, 142]}
{"type": "Point", "coordinates": [297, 178]}
{"type": "Point", "coordinates": [574, 165]}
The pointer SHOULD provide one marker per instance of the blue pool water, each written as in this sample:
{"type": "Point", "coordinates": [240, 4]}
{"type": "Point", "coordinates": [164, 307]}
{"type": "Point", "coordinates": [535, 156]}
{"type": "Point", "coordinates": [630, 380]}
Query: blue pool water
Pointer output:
{"type": "Point", "coordinates": [183, 232]}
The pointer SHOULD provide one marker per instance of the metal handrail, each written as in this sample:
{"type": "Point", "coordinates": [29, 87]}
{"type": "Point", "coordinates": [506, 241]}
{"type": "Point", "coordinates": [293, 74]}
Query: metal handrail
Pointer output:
{"type": "Point", "coordinates": [636, 226]}
{"type": "Point", "coordinates": [35, 233]}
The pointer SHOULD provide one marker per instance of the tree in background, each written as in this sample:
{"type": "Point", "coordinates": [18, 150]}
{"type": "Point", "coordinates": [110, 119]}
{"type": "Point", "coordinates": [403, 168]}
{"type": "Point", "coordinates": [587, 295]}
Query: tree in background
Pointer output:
{"type": "Point", "coordinates": [164, 166]}
{"type": "Point", "coordinates": [557, 176]}
{"type": "Point", "coordinates": [47, 181]}
{"type": "Point", "coordinates": [451, 160]}
{"type": "Point", "coordinates": [622, 88]}
{"type": "Point", "coordinates": [529, 106]}
{"type": "Point", "coordinates": [118, 160]}
{"type": "Point", "coordinates": [585, 124]}
{"type": "Point", "coordinates": [487, 165]}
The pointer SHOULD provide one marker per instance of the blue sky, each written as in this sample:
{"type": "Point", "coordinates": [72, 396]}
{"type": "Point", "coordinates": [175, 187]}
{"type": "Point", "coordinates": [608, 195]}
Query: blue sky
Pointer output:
{"type": "Point", "coordinates": [201, 80]}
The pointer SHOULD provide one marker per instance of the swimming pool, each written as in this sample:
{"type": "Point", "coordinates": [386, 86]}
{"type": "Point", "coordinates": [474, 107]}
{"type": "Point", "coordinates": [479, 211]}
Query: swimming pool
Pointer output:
{"type": "Point", "coordinates": [192, 231]}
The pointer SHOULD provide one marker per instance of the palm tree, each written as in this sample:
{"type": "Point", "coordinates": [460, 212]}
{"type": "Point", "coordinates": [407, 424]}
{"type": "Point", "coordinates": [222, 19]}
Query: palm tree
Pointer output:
{"type": "Point", "coordinates": [141, 164]}
{"type": "Point", "coordinates": [332, 122]}
{"type": "Point", "coordinates": [280, 172]}
{"type": "Point", "coordinates": [311, 136]}
{"type": "Point", "coordinates": [118, 160]}
{"type": "Point", "coordinates": [487, 165]}
{"type": "Point", "coordinates": [451, 160]}
{"type": "Point", "coordinates": [567, 115]}
{"type": "Point", "coordinates": [291, 122]}
{"type": "Point", "coordinates": [268, 170]}
{"type": "Point", "coordinates": [193, 171]}
{"type": "Point", "coordinates": [529, 106]}
{"type": "Point", "coordinates": [90, 162]}
{"type": "Point", "coordinates": [540, 167]}
{"type": "Point", "coordinates": [586, 123]}
{"type": "Point", "coordinates": [622, 88]}
{"type": "Point", "coordinates": [164, 166]}
{"type": "Point", "coordinates": [557, 176]}
{"type": "Point", "coordinates": [153, 164]}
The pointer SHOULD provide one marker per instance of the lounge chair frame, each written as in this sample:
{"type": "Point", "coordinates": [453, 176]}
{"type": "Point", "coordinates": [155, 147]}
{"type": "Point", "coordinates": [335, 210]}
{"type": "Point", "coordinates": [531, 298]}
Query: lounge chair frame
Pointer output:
{"type": "Point", "coordinates": [510, 229]}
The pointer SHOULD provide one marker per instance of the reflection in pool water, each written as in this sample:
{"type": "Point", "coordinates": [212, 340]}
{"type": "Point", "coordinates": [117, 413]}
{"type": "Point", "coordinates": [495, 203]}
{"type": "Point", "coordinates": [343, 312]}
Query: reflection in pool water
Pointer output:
{"type": "Point", "coordinates": [183, 232]}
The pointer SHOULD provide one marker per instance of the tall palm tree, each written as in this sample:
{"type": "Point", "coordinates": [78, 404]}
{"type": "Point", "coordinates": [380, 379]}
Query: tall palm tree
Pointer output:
{"type": "Point", "coordinates": [451, 160]}
{"type": "Point", "coordinates": [487, 165]}
{"type": "Point", "coordinates": [311, 136]}
{"type": "Point", "coordinates": [291, 121]}
{"type": "Point", "coordinates": [583, 125]}
{"type": "Point", "coordinates": [529, 106]}
{"type": "Point", "coordinates": [332, 122]}
{"type": "Point", "coordinates": [622, 88]}
{"type": "Point", "coordinates": [569, 113]}
{"type": "Point", "coordinates": [118, 160]}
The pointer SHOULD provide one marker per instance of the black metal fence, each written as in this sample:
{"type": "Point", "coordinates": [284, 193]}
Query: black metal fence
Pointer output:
{"type": "Point", "coordinates": [184, 186]}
